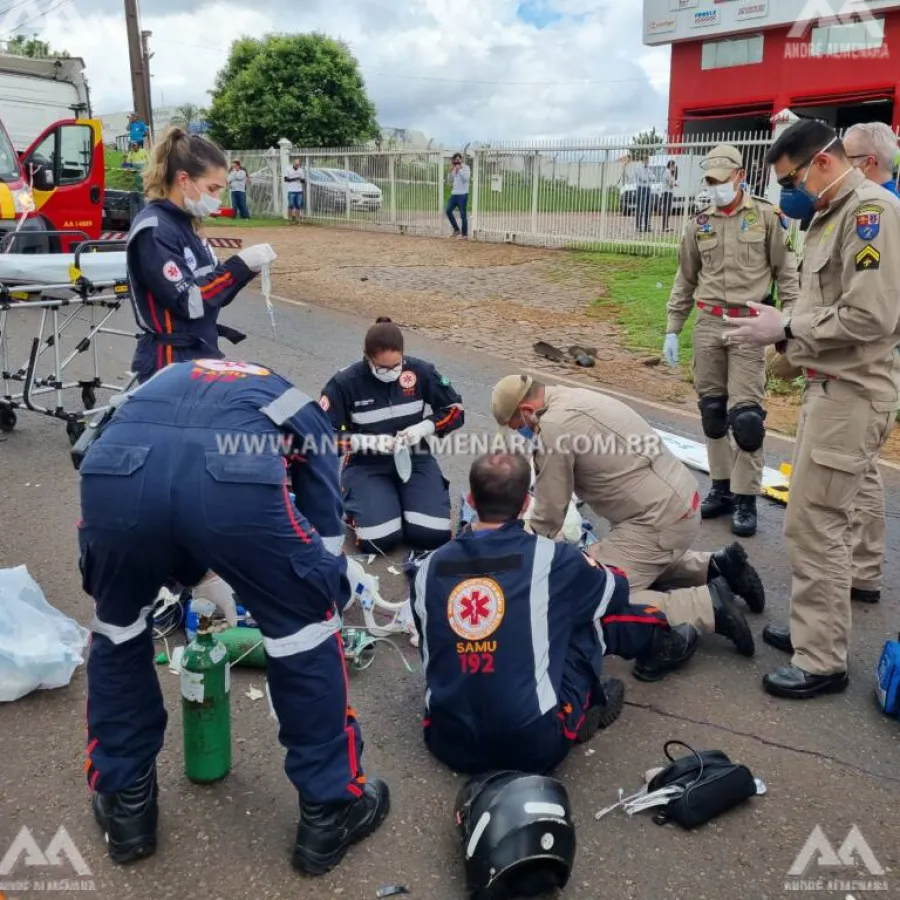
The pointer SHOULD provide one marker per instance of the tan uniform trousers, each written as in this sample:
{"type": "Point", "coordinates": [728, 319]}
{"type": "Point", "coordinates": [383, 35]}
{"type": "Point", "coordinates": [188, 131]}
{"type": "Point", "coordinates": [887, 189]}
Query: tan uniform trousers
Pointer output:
{"type": "Point", "coordinates": [839, 436]}
{"type": "Point", "coordinates": [738, 373]}
{"type": "Point", "coordinates": [661, 559]}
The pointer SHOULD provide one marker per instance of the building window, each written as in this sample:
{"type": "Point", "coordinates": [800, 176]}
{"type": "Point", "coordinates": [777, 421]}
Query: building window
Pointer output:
{"type": "Point", "coordinates": [854, 37]}
{"type": "Point", "coordinates": [739, 52]}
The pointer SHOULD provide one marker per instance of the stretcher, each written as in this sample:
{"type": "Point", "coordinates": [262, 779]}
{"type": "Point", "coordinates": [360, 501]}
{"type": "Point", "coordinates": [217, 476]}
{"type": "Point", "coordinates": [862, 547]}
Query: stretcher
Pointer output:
{"type": "Point", "coordinates": [73, 297]}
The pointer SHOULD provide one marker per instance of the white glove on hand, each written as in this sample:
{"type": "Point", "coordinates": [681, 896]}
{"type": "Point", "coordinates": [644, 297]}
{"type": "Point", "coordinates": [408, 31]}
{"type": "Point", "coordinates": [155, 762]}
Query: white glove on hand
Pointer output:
{"type": "Point", "coordinates": [415, 433]}
{"type": "Point", "coordinates": [670, 350]}
{"type": "Point", "coordinates": [221, 594]}
{"type": "Point", "coordinates": [258, 256]}
{"type": "Point", "coordinates": [372, 443]}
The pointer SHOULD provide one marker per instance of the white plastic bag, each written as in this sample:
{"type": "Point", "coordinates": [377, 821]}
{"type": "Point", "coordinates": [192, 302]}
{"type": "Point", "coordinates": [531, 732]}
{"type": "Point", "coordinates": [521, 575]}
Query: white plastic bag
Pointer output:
{"type": "Point", "coordinates": [40, 648]}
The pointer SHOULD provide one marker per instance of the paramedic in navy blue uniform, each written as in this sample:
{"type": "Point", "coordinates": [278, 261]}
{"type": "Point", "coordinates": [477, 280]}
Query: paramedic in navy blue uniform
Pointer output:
{"type": "Point", "coordinates": [178, 286]}
{"type": "Point", "coordinates": [373, 404]}
{"type": "Point", "coordinates": [191, 474]}
{"type": "Point", "coordinates": [513, 629]}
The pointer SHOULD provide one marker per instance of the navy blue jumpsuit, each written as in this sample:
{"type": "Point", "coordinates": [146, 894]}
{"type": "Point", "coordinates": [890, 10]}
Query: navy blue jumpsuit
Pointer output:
{"type": "Point", "coordinates": [178, 289]}
{"type": "Point", "coordinates": [192, 474]}
{"type": "Point", "coordinates": [382, 509]}
{"type": "Point", "coordinates": [513, 629]}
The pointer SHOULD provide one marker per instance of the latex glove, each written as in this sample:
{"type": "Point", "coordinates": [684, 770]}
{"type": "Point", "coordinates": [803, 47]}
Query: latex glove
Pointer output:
{"type": "Point", "coordinates": [764, 327]}
{"type": "Point", "coordinates": [221, 594]}
{"type": "Point", "coordinates": [372, 443]}
{"type": "Point", "coordinates": [415, 433]}
{"type": "Point", "coordinates": [670, 350]}
{"type": "Point", "coordinates": [258, 256]}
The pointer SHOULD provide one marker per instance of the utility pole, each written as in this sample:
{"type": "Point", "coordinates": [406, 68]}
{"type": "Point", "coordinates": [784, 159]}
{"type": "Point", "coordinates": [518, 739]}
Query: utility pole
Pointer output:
{"type": "Point", "coordinates": [136, 58]}
{"type": "Point", "coordinates": [146, 56]}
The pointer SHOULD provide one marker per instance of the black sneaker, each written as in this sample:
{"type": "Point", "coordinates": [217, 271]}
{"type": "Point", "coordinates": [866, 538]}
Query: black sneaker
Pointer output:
{"type": "Point", "coordinates": [602, 716]}
{"type": "Point", "coordinates": [732, 564]}
{"type": "Point", "coordinates": [129, 819]}
{"type": "Point", "coordinates": [672, 648]}
{"type": "Point", "coordinates": [327, 831]}
{"type": "Point", "coordinates": [744, 519]}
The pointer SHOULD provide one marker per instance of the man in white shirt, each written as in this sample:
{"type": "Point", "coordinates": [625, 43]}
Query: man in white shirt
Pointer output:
{"type": "Point", "coordinates": [294, 178]}
{"type": "Point", "coordinates": [459, 178]}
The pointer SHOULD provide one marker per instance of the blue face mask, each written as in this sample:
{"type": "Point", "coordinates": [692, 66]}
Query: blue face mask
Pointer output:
{"type": "Point", "coordinates": [526, 432]}
{"type": "Point", "coordinates": [797, 203]}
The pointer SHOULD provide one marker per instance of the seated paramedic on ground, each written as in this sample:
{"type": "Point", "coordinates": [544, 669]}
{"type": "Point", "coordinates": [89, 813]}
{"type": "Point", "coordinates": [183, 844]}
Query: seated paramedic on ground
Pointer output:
{"type": "Point", "coordinates": [160, 501]}
{"type": "Point", "coordinates": [603, 451]}
{"type": "Point", "coordinates": [374, 405]}
{"type": "Point", "coordinates": [178, 286]}
{"type": "Point", "coordinates": [513, 629]}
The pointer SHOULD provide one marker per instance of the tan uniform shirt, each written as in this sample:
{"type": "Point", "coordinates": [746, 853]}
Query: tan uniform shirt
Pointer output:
{"type": "Point", "coordinates": [846, 322]}
{"type": "Point", "coordinates": [601, 449]}
{"type": "Point", "coordinates": [726, 260]}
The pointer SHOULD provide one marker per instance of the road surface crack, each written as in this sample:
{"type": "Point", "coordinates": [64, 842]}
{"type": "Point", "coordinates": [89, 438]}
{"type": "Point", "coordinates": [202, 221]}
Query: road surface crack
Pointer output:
{"type": "Point", "coordinates": [649, 707]}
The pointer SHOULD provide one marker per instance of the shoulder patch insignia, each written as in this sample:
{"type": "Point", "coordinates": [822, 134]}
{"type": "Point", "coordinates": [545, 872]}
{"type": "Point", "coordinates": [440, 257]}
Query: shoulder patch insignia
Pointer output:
{"type": "Point", "coordinates": [408, 380]}
{"type": "Point", "coordinates": [868, 222]}
{"type": "Point", "coordinates": [171, 272]}
{"type": "Point", "coordinates": [476, 608]}
{"type": "Point", "coordinates": [867, 259]}
{"type": "Point", "coordinates": [445, 381]}
{"type": "Point", "coordinates": [325, 403]}
{"type": "Point", "coordinates": [702, 219]}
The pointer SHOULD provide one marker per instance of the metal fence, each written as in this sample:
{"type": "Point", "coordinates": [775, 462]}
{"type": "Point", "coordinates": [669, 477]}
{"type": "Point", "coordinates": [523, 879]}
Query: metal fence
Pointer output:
{"type": "Point", "coordinates": [585, 194]}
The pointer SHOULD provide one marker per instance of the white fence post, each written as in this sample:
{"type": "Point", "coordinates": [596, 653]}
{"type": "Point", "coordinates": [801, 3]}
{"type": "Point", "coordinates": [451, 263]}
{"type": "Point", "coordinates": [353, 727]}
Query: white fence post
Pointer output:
{"type": "Point", "coordinates": [535, 188]}
{"type": "Point", "coordinates": [392, 160]}
{"type": "Point", "coordinates": [476, 186]}
{"type": "Point", "coordinates": [440, 187]}
{"type": "Point", "coordinates": [279, 189]}
{"type": "Point", "coordinates": [347, 187]}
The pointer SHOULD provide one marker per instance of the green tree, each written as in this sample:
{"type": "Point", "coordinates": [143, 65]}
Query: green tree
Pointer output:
{"type": "Point", "coordinates": [25, 46]}
{"type": "Point", "coordinates": [646, 143]}
{"type": "Point", "coordinates": [303, 87]}
{"type": "Point", "coordinates": [189, 113]}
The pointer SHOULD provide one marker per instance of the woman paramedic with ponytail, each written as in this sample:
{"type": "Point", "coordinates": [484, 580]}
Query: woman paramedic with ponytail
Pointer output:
{"type": "Point", "coordinates": [178, 287]}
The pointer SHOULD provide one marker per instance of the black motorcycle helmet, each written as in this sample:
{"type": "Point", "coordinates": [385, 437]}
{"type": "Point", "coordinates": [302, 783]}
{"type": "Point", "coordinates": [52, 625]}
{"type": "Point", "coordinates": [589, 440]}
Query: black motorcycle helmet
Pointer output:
{"type": "Point", "coordinates": [517, 835]}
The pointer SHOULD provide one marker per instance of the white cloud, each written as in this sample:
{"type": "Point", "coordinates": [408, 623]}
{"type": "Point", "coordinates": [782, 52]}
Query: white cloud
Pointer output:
{"type": "Point", "coordinates": [459, 70]}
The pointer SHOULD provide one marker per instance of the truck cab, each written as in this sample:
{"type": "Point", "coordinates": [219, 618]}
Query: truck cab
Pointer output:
{"type": "Point", "coordinates": [58, 185]}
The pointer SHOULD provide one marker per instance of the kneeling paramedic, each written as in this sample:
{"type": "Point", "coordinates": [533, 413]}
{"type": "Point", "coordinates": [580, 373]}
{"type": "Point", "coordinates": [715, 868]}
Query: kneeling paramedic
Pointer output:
{"type": "Point", "coordinates": [602, 450]}
{"type": "Point", "coordinates": [173, 486]}
{"type": "Point", "coordinates": [513, 629]}
{"type": "Point", "coordinates": [377, 406]}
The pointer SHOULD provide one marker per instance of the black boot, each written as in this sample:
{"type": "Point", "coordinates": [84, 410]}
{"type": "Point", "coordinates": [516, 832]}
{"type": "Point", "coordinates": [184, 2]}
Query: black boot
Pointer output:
{"type": "Point", "coordinates": [743, 520]}
{"type": "Point", "coordinates": [672, 648]}
{"type": "Point", "coordinates": [328, 830]}
{"type": "Point", "coordinates": [603, 714]}
{"type": "Point", "coordinates": [797, 684]}
{"type": "Point", "coordinates": [858, 595]}
{"type": "Point", "coordinates": [730, 621]}
{"type": "Point", "coordinates": [732, 564]}
{"type": "Point", "coordinates": [129, 818]}
{"type": "Point", "coordinates": [779, 637]}
{"type": "Point", "coordinates": [719, 501]}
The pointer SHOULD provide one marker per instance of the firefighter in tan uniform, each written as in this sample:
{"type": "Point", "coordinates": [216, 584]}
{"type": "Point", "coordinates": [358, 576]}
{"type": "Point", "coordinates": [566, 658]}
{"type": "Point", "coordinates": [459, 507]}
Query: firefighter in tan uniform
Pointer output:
{"type": "Point", "coordinates": [842, 333]}
{"type": "Point", "coordinates": [598, 447]}
{"type": "Point", "coordinates": [730, 254]}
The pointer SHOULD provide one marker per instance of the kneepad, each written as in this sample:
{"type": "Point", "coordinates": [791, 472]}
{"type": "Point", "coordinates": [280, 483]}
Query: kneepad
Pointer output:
{"type": "Point", "coordinates": [748, 425]}
{"type": "Point", "coordinates": [714, 416]}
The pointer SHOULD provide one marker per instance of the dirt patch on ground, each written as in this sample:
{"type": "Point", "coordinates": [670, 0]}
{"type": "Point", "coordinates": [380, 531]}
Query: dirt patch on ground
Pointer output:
{"type": "Point", "coordinates": [494, 297]}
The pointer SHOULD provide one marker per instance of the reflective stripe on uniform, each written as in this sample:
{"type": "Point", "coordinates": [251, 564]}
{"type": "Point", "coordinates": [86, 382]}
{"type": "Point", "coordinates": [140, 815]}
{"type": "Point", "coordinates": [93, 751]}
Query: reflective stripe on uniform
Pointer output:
{"type": "Point", "coordinates": [544, 551]}
{"type": "Point", "coordinates": [121, 634]}
{"type": "Point", "coordinates": [143, 225]}
{"type": "Point", "coordinates": [422, 613]}
{"type": "Point", "coordinates": [375, 532]}
{"type": "Point", "coordinates": [334, 545]}
{"type": "Point", "coordinates": [603, 605]}
{"type": "Point", "coordinates": [370, 417]}
{"type": "Point", "coordinates": [432, 522]}
{"type": "Point", "coordinates": [287, 405]}
{"type": "Point", "coordinates": [204, 270]}
{"type": "Point", "coordinates": [195, 303]}
{"type": "Point", "coordinates": [307, 638]}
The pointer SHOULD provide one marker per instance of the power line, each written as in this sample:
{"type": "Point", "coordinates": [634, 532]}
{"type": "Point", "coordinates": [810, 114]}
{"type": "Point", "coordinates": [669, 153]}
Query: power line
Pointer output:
{"type": "Point", "coordinates": [46, 12]}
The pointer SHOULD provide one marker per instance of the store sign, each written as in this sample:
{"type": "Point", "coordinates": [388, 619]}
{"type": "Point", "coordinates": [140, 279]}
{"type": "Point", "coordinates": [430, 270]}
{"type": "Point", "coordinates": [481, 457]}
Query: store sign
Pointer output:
{"type": "Point", "coordinates": [705, 18]}
{"type": "Point", "coordinates": [753, 10]}
{"type": "Point", "coordinates": [660, 26]}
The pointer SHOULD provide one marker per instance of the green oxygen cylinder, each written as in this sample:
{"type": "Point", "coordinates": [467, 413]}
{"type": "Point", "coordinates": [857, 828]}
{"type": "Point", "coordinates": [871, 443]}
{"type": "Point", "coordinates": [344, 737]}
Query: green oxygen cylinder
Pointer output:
{"type": "Point", "coordinates": [206, 702]}
{"type": "Point", "coordinates": [244, 646]}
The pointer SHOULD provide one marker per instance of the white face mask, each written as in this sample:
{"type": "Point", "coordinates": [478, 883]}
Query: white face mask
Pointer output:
{"type": "Point", "coordinates": [723, 194]}
{"type": "Point", "coordinates": [204, 206]}
{"type": "Point", "coordinates": [386, 375]}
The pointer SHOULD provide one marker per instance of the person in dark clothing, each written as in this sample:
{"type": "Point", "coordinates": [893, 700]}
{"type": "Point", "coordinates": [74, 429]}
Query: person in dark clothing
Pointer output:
{"type": "Point", "coordinates": [178, 287]}
{"type": "Point", "coordinates": [377, 406]}
{"type": "Point", "coordinates": [513, 628]}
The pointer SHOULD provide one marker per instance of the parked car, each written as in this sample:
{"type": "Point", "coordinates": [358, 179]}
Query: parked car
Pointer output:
{"type": "Point", "coordinates": [364, 196]}
{"type": "Point", "coordinates": [325, 193]}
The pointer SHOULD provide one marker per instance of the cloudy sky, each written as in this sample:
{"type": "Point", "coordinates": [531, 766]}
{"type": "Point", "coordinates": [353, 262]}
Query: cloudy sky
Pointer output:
{"type": "Point", "coordinates": [457, 70]}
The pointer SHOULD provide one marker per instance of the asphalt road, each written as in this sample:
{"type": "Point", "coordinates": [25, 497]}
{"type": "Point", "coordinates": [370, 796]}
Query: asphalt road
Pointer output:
{"type": "Point", "coordinates": [832, 762]}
